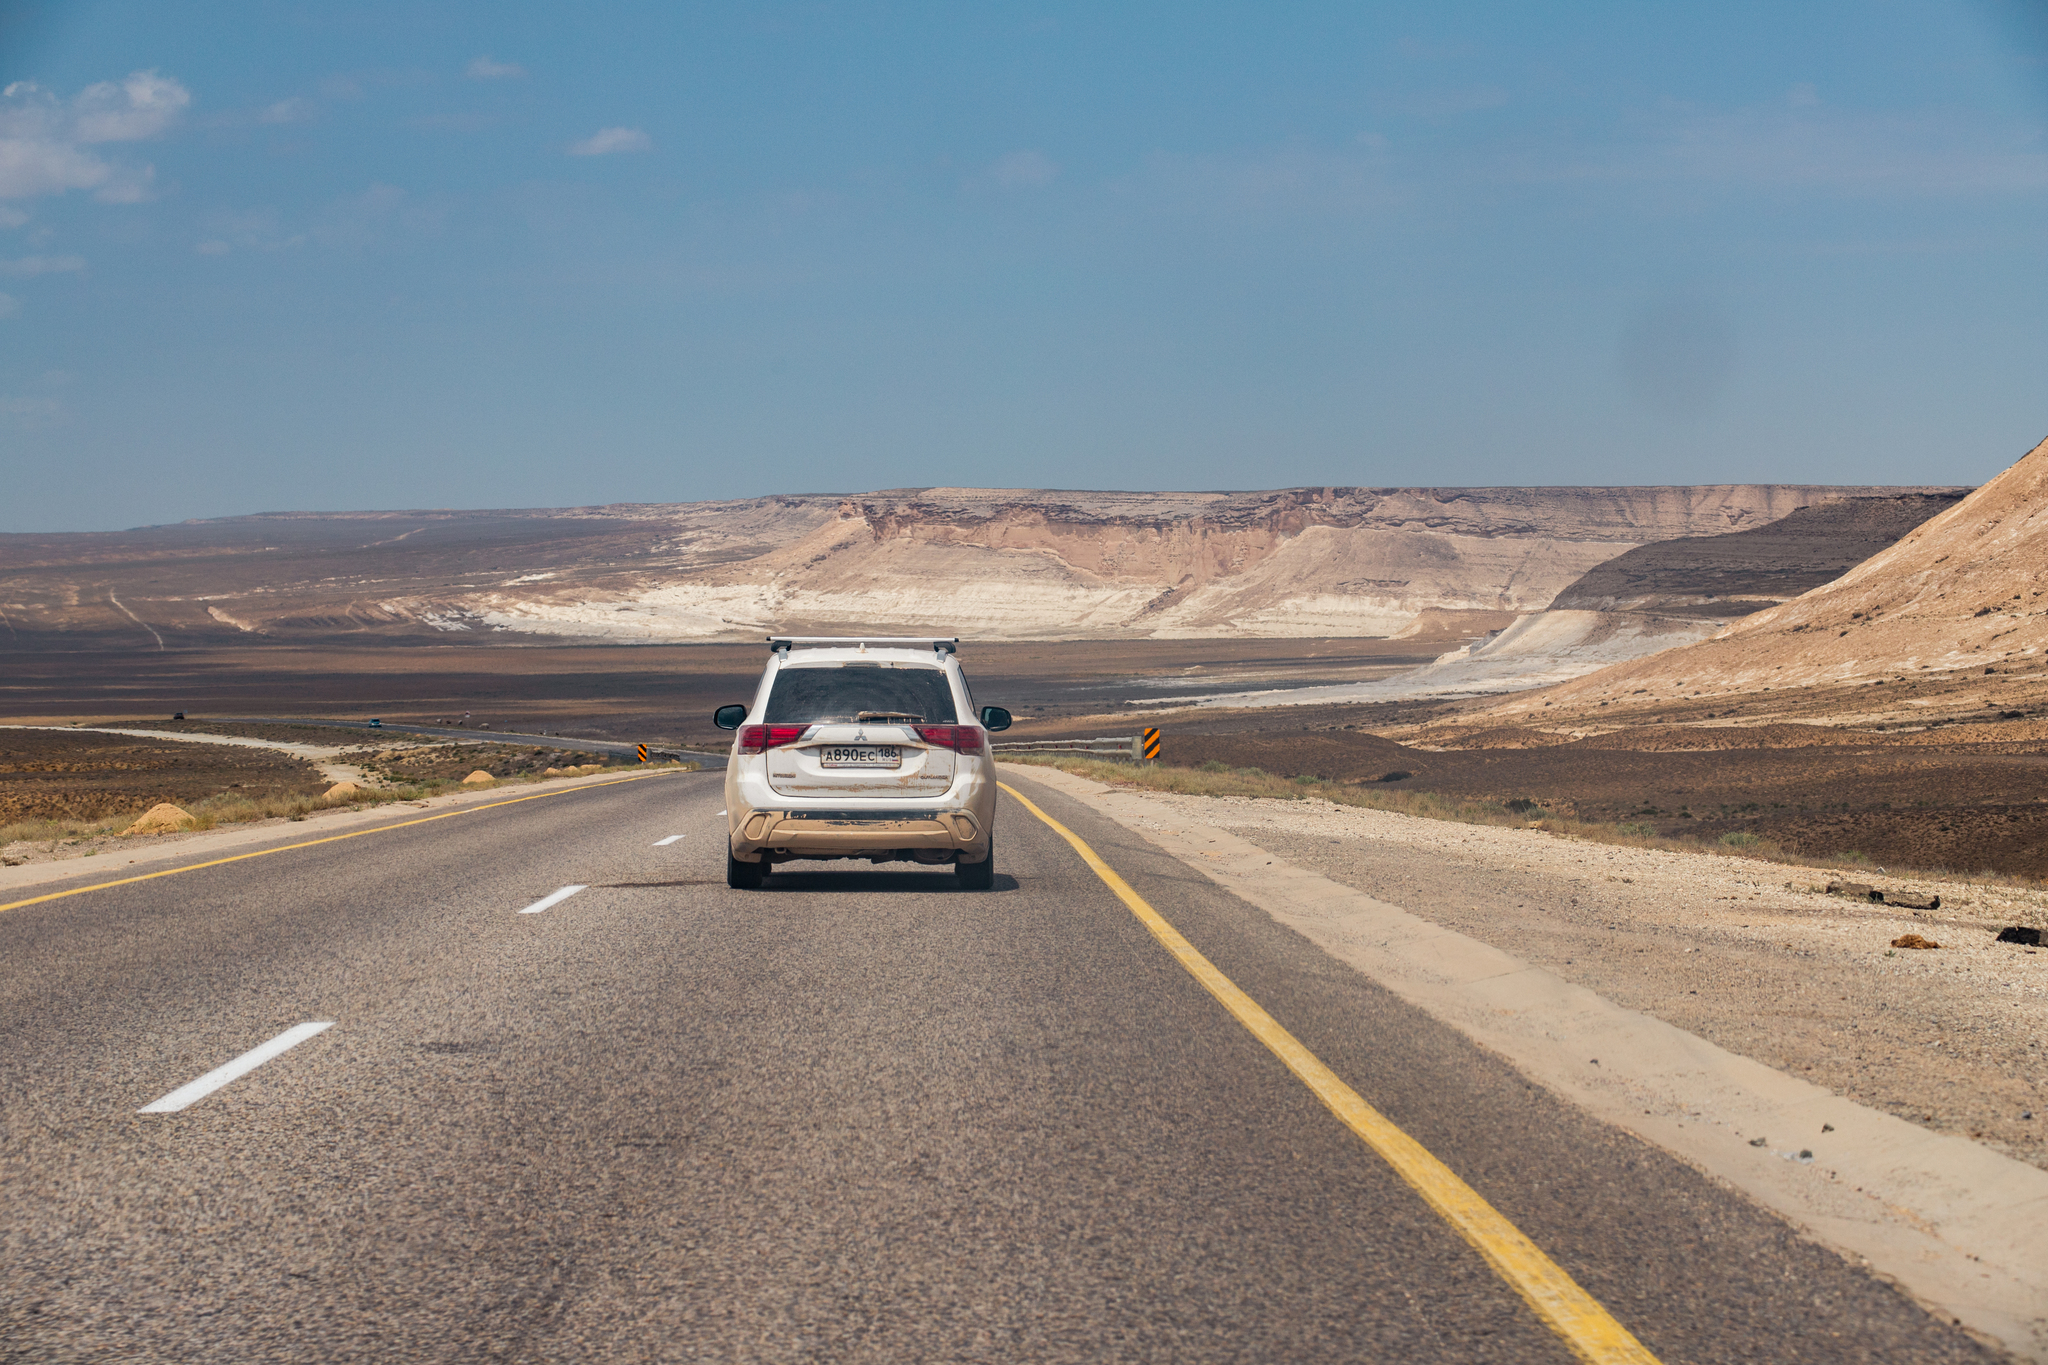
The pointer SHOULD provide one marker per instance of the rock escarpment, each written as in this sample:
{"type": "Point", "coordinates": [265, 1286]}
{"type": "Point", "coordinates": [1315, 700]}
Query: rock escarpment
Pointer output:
{"type": "Point", "coordinates": [1291, 562]}
{"type": "Point", "coordinates": [1963, 595]}
{"type": "Point", "coordinates": [1720, 578]}
{"type": "Point", "coordinates": [997, 563]}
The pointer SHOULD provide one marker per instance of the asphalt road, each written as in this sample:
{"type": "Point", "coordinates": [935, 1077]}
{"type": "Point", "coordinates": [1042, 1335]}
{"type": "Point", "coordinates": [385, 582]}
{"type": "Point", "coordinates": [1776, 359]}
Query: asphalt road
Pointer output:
{"type": "Point", "coordinates": [854, 1116]}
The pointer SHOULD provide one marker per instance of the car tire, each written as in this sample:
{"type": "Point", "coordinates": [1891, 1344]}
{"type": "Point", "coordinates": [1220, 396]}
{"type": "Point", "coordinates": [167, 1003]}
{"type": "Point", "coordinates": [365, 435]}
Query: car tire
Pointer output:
{"type": "Point", "coordinates": [743, 876]}
{"type": "Point", "coordinates": [979, 876]}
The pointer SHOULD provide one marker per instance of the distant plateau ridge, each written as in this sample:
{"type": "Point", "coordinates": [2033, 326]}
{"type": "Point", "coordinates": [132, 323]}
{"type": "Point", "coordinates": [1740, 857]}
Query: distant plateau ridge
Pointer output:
{"type": "Point", "coordinates": [1635, 569]}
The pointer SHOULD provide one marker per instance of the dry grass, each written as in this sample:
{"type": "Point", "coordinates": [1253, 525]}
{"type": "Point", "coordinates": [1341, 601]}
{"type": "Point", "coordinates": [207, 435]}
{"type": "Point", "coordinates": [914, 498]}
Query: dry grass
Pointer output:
{"type": "Point", "coordinates": [54, 832]}
{"type": "Point", "coordinates": [233, 808]}
{"type": "Point", "coordinates": [1215, 779]}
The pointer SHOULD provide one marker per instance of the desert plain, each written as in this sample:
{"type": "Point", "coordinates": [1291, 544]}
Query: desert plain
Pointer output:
{"type": "Point", "coordinates": [1729, 698]}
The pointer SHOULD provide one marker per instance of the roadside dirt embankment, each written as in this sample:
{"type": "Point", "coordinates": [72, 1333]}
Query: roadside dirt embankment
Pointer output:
{"type": "Point", "coordinates": [1972, 803]}
{"type": "Point", "coordinates": [71, 792]}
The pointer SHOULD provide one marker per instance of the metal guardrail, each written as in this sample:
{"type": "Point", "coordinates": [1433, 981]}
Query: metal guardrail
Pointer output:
{"type": "Point", "coordinates": [1131, 748]}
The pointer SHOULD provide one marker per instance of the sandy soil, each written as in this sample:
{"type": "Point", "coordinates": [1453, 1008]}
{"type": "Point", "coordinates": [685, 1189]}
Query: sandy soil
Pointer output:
{"type": "Point", "coordinates": [662, 693]}
{"type": "Point", "coordinates": [406, 763]}
{"type": "Point", "coordinates": [1966, 799]}
{"type": "Point", "coordinates": [1749, 955]}
{"type": "Point", "coordinates": [79, 775]}
{"type": "Point", "coordinates": [56, 775]}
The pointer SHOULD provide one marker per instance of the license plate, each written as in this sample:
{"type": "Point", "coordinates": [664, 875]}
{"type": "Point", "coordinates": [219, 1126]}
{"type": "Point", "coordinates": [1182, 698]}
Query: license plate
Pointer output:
{"type": "Point", "coordinates": [861, 756]}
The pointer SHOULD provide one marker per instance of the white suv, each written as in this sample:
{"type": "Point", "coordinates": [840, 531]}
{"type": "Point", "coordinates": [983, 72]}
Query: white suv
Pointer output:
{"type": "Point", "coordinates": [861, 748]}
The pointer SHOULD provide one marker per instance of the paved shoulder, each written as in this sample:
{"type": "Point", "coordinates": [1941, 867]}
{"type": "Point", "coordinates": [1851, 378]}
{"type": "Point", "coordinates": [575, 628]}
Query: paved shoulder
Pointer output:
{"type": "Point", "coordinates": [1689, 1264]}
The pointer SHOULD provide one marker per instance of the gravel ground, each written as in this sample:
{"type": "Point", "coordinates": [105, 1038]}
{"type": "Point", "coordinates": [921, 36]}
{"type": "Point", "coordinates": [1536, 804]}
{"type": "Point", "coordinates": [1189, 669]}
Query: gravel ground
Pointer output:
{"type": "Point", "coordinates": [1751, 955]}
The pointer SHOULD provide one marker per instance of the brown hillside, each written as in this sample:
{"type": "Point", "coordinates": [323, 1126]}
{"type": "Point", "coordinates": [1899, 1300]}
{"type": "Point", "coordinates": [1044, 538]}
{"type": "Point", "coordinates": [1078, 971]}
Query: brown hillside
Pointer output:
{"type": "Point", "coordinates": [1962, 600]}
{"type": "Point", "coordinates": [1729, 576]}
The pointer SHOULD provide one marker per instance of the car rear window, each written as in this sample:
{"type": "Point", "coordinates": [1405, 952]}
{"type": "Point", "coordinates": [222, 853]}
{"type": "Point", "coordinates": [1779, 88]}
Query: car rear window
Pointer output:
{"type": "Point", "coordinates": [841, 692]}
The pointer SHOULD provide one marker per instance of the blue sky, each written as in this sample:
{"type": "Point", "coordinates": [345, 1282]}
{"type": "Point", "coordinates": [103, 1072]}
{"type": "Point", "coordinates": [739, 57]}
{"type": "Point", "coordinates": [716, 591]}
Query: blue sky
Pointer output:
{"type": "Point", "coordinates": [260, 256]}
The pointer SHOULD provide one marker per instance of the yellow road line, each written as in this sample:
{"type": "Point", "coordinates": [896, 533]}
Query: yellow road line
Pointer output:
{"type": "Point", "coordinates": [1576, 1316]}
{"type": "Point", "coordinates": [312, 843]}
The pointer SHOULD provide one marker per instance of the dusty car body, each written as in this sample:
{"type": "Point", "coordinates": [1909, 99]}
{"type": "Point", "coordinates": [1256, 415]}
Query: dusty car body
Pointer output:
{"type": "Point", "coordinates": [864, 748]}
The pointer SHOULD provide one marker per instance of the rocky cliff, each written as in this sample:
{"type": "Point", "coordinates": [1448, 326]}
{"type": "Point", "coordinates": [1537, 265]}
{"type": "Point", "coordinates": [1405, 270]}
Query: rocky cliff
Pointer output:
{"type": "Point", "coordinates": [1963, 596]}
{"type": "Point", "coordinates": [997, 563]}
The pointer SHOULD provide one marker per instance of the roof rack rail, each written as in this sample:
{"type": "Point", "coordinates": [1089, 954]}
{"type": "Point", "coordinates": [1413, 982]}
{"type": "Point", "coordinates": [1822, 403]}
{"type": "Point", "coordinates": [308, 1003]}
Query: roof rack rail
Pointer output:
{"type": "Point", "coordinates": [781, 644]}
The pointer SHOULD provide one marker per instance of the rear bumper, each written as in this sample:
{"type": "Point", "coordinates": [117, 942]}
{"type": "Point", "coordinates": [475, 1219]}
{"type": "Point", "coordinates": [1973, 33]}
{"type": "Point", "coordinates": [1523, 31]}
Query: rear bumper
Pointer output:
{"type": "Point", "coordinates": [778, 834]}
{"type": "Point", "coordinates": [764, 824]}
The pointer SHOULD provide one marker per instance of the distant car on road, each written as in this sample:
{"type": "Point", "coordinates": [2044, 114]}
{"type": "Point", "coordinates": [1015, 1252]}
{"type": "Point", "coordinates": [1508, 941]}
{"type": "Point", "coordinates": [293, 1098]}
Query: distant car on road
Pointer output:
{"type": "Point", "coordinates": [861, 748]}
{"type": "Point", "coordinates": [376, 725]}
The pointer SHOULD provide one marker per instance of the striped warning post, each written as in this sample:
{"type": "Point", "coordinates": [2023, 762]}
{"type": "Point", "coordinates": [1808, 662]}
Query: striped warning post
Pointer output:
{"type": "Point", "coordinates": [1149, 749]}
{"type": "Point", "coordinates": [642, 749]}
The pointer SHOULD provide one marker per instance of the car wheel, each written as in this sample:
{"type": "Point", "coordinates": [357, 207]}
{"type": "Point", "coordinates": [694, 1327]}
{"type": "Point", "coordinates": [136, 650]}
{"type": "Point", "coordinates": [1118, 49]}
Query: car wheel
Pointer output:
{"type": "Point", "coordinates": [743, 876]}
{"type": "Point", "coordinates": [979, 876]}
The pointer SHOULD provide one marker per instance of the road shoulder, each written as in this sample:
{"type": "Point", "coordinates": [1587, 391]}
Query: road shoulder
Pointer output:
{"type": "Point", "coordinates": [1953, 1223]}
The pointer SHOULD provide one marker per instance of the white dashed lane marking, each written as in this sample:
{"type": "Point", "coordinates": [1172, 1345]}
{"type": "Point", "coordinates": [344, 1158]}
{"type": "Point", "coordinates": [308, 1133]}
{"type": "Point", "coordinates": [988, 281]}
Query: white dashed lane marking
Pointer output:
{"type": "Point", "coordinates": [221, 1075]}
{"type": "Point", "coordinates": [555, 899]}
{"type": "Point", "coordinates": [664, 843]}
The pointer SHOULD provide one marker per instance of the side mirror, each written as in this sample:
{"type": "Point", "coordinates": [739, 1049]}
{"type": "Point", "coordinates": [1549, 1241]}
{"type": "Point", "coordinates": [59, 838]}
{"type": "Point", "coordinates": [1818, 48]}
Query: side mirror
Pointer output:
{"type": "Point", "coordinates": [729, 717]}
{"type": "Point", "coordinates": [994, 718]}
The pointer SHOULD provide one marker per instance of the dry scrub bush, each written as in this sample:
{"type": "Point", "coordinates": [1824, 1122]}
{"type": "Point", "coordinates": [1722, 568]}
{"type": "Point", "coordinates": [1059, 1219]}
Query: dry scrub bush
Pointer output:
{"type": "Point", "coordinates": [54, 832]}
{"type": "Point", "coordinates": [233, 808]}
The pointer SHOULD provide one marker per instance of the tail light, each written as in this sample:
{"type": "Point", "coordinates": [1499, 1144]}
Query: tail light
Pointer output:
{"type": "Point", "coordinates": [755, 739]}
{"type": "Point", "coordinates": [966, 739]}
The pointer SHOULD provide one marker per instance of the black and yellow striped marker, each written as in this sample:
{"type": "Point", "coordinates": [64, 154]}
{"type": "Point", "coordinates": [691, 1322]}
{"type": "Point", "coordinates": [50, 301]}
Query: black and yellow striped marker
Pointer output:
{"type": "Point", "coordinates": [1149, 747]}
{"type": "Point", "coordinates": [642, 750]}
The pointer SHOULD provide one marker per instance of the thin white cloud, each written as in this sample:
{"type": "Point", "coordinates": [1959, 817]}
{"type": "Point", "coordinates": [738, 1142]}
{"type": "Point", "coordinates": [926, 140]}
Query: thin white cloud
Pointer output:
{"type": "Point", "coordinates": [11, 218]}
{"type": "Point", "coordinates": [1274, 182]}
{"type": "Point", "coordinates": [140, 107]}
{"type": "Point", "coordinates": [1855, 153]}
{"type": "Point", "coordinates": [454, 123]}
{"type": "Point", "coordinates": [1803, 145]}
{"type": "Point", "coordinates": [485, 69]}
{"type": "Point", "coordinates": [35, 166]}
{"type": "Point", "coordinates": [42, 265]}
{"type": "Point", "coordinates": [44, 141]}
{"type": "Point", "coordinates": [31, 411]}
{"type": "Point", "coordinates": [358, 221]}
{"type": "Point", "coordinates": [608, 141]}
{"type": "Point", "coordinates": [127, 185]}
{"type": "Point", "coordinates": [255, 229]}
{"type": "Point", "coordinates": [9, 305]}
{"type": "Point", "coordinates": [381, 216]}
{"type": "Point", "coordinates": [1440, 104]}
{"type": "Point", "coordinates": [297, 109]}
{"type": "Point", "coordinates": [1022, 170]}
